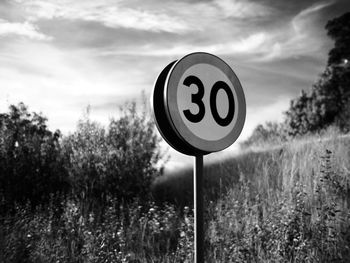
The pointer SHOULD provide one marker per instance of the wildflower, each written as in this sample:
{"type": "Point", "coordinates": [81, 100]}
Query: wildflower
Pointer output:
{"type": "Point", "coordinates": [186, 209]}
{"type": "Point", "coordinates": [91, 218]}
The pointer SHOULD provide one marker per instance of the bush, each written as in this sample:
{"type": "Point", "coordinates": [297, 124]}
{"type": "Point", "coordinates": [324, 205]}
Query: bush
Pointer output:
{"type": "Point", "coordinates": [271, 133]}
{"type": "Point", "coordinates": [119, 162]}
{"type": "Point", "coordinates": [31, 163]}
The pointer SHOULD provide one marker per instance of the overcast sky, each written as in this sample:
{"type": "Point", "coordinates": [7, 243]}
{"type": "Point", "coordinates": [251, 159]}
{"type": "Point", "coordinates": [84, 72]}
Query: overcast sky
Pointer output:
{"type": "Point", "coordinates": [59, 56]}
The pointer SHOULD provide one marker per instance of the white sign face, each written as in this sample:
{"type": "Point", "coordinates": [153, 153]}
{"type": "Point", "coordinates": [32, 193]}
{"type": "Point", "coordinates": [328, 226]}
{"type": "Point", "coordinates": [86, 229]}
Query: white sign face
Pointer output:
{"type": "Point", "coordinates": [207, 128]}
{"type": "Point", "coordinates": [205, 102]}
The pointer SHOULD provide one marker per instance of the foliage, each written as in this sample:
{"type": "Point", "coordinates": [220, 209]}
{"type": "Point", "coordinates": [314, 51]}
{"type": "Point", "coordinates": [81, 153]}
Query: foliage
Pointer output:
{"type": "Point", "coordinates": [268, 134]}
{"type": "Point", "coordinates": [93, 165]}
{"type": "Point", "coordinates": [149, 234]}
{"type": "Point", "coordinates": [291, 206]}
{"type": "Point", "coordinates": [300, 117]}
{"type": "Point", "coordinates": [338, 29]}
{"type": "Point", "coordinates": [117, 162]}
{"type": "Point", "coordinates": [329, 100]}
{"type": "Point", "coordinates": [287, 204]}
{"type": "Point", "coordinates": [31, 164]}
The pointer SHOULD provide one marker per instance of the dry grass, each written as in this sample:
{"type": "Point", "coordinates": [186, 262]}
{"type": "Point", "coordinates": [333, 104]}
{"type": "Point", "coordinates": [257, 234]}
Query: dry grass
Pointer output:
{"type": "Point", "coordinates": [284, 204]}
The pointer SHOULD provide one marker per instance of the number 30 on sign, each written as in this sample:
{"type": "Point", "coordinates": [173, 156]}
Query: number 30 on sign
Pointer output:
{"type": "Point", "coordinates": [199, 104]}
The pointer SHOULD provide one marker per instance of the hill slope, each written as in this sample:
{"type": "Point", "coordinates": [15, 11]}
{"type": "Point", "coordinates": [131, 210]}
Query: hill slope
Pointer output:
{"type": "Point", "coordinates": [283, 204]}
{"type": "Point", "coordinates": [278, 167]}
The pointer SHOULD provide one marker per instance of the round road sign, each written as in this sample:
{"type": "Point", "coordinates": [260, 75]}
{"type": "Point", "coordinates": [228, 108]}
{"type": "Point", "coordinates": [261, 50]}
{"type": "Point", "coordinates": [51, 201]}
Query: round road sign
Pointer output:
{"type": "Point", "coordinates": [199, 104]}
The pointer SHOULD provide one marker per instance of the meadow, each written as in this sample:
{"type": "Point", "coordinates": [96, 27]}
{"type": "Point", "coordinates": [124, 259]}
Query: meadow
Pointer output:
{"type": "Point", "coordinates": [284, 204]}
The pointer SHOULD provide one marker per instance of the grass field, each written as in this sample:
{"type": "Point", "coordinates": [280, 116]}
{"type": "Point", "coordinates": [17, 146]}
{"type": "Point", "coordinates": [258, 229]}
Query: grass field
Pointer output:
{"type": "Point", "coordinates": [279, 164]}
{"type": "Point", "coordinates": [282, 204]}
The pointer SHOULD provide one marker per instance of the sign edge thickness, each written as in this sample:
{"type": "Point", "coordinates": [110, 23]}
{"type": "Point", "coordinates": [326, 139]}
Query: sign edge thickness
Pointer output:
{"type": "Point", "coordinates": [163, 123]}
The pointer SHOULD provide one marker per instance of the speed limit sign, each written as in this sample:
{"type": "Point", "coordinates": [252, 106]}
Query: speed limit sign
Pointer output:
{"type": "Point", "coordinates": [199, 104]}
{"type": "Point", "coordinates": [199, 107]}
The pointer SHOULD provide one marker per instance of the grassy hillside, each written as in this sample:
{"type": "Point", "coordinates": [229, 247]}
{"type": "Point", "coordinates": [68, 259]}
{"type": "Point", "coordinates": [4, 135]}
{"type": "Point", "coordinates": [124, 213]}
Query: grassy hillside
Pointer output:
{"type": "Point", "coordinates": [284, 204]}
{"type": "Point", "coordinates": [290, 205]}
{"type": "Point", "coordinates": [276, 167]}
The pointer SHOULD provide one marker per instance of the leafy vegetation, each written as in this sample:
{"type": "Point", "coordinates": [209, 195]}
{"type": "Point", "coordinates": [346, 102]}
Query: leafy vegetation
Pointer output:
{"type": "Point", "coordinates": [291, 207]}
{"type": "Point", "coordinates": [114, 163]}
{"type": "Point", "coordinates": [327, 104]}
{"type": "Point", "coordinates": [265, 135]}
{"type": "Point", "coordinates": [31, 164]}
{"type": "Point", "coordinates": [87, 197]}
{"type": "Point", "coordinates": [92, 164]}
{"type": "Point", "coordinates": [56, 191]}
{"type": "Point", "coordinates": [283, 205]}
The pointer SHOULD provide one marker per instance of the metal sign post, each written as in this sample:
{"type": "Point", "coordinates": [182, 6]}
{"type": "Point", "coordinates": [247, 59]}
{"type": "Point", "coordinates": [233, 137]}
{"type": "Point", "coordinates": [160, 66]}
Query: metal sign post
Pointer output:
{"type": "Point", "coordinates": [198, 209]}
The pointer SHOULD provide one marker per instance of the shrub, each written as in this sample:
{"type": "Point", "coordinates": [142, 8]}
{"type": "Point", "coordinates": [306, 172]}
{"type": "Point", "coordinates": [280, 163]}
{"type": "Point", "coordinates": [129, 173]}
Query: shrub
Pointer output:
{"type": "Point", "coordinates": [271, 133]}
{"type": "Point", "coordinates": [119, 162]}
{"type": "Point", "coordinates": [31, 163]}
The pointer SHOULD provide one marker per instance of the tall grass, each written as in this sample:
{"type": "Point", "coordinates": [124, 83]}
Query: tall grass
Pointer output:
{"type": "Point", "coordinates": [132, 234]}
{"type": "Point", "coordinates": [290, 205]}
{"type": "Point", "coordinates": [286, 204]}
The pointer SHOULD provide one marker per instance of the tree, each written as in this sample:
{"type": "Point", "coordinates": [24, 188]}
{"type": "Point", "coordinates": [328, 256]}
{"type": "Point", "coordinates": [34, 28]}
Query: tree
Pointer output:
{"type": "Point", "coordinates": [329, 100]}
{"type": "Point", "coordinates": [339, 30]}
{"type": "Point", "coordinates": [31, 165]}
{"type": "Point", "coordinates": [298, 115]}
{"type": "Point", "coordinates": [339, 59]}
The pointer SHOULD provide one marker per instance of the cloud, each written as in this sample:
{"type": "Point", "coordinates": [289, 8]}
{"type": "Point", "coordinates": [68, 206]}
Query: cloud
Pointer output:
{"type": "Point", "coordinates": [309, 11]}
{"type": "Point", "coordinates": [243, 9]}
{"type": "Point", "coordinates": [298, 35]}
{"type": "Point", "coordinates": [62, 83]}
{"type": "Point", "coordinates": [25, 29]}
{"type": "Point", "coordinates": [106, 44]}
{"type": "Point", "coordinates": [114, 15]}
{"type": "Point", "coordinates": [156, 16]}
{"type": "Point", "coordinates": [248, 45]}
{"type": "Point", "coordinates": [301, 36]}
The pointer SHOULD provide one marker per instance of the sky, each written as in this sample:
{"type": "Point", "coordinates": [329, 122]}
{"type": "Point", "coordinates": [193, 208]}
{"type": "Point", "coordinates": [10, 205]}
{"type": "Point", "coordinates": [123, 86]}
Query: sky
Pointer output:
{"type": "Point", "coordinates": [59, 56]}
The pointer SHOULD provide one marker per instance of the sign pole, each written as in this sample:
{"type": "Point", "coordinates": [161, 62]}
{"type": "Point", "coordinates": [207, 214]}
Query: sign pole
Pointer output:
{"type": "Point", "coordinates": [198, 210]}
